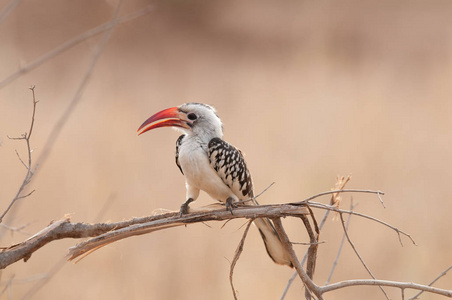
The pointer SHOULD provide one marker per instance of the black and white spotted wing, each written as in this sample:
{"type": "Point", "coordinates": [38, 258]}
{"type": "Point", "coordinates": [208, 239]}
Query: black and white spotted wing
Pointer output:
{"type": "Point", "coordinates": [230, 165]}
{"type": "Point", "coordinates": [178, 143]}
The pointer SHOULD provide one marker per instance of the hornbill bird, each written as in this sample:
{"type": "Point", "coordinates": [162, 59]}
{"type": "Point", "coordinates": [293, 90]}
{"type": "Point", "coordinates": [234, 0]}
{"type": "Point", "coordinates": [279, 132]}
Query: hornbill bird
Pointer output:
{"type": "Point", "coordinates": [212, 165]}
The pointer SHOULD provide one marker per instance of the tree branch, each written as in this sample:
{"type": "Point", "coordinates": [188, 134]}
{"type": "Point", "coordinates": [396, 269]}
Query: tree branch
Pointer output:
{"type": "Point", "coordinates": [105, 233]}
{"type": "Point", "coordinates": [238, 251]}
{"type": "Point", "coordinates": [30, 172]}
{"type": "Point", "coordinates": [335, 209]}
{"type": "Point", "coordinates": [358, 255]}
{"type": "Point", "coordinates": [309, 284]}
{"type": "Point", "coordinates": [397, 284]}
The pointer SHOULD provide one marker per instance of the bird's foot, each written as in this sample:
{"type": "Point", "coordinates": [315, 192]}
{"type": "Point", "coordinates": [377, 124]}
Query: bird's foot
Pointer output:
{"type": "Point", "coordinates": [230, 204]}
{"type": "Point", "coordinates": [184, 207]}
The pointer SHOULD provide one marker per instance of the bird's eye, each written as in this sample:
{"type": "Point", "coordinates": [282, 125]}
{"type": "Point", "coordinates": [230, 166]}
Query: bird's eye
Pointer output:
{"type": "Point", "coordinates": [192, 116]}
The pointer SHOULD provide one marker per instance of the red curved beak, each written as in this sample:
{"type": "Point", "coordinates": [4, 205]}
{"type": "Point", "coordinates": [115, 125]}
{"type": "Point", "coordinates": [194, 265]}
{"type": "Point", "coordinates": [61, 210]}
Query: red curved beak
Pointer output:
{"type": "Point", "coordinates": [165, 118]}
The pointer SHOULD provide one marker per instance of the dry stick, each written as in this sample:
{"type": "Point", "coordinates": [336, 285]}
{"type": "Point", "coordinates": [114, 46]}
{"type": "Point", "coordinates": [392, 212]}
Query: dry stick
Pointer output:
{"type": "Point", "coordinates": [341, 245]}
{"type": "Point", "coordinates": [309, 284]}
{"type": "Point", "coordinates": [201, 216]}
{"type": "Point", "coordinates": [340, 185]}
{"type": "Point", "coordinates": [81, 88]}
{"type": "Point", "coordinates": [30, 172]}
{"type": "Point", "coordinates": [65, 229]}
{"type": "Point", "coordinates": [312, 252]}
{"type": "Point", "coordinates": [17, 229]}
{"type": "Point", "coordinates": [238, 251]}
{"type": "Point", "coordinates": [357, 253]}
{"type": "Point", "coordinates": [8, 286]}
{"type": "Point", "coordinates": [99, 48]}
{"type": "Point", "coordinates": [433, 281]}
{"type": "Point", "coordinates": [397, 284]}
{"type": "Point", "coordinates": [341, 191]}
{"type": "Point", "coordinates": [8, 9]}
{"type": "Point", "coordinates": [105, 233]}
{"type": "Point", "coordinates": [77, 96]}
{"type": "Point", "coordinates": [294, 275]}
{"type": "Point", "coordinates": [61, 262]}
{"type": "Point", "coordinates": [335, 209]}
{"type": "Point", "coordinates": [38, 285]}
{"type": "Point", "coordinates": [71, 43]}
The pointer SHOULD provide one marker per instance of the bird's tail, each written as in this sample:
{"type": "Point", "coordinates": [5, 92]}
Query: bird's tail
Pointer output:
{"type": "Point", "coordinates": [275, 248]}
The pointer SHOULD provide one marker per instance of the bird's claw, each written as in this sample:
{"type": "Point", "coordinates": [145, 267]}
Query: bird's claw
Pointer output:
{"type": "Point", "coordinates": [184, 207]}
{"type": "Point", "coordinates": [230, 204]}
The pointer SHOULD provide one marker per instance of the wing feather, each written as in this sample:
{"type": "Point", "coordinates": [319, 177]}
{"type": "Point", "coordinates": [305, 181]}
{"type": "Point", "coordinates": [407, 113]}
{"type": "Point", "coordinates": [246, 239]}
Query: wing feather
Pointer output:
{"type": "Point", "coordinates": [230, 165]}
{"type": "Point", "coordinates": [178, 143]}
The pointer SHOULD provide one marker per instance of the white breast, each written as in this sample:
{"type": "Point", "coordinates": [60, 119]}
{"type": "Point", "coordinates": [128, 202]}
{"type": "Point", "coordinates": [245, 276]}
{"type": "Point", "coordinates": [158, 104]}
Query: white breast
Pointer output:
{"type": "Point", "coordinates": [199, 175]}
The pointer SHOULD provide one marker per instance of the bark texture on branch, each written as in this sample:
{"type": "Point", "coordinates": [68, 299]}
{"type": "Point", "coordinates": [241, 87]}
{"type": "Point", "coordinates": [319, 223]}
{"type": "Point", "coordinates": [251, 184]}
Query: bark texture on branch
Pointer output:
{"type": "Point", "coordinates": [106, 233]}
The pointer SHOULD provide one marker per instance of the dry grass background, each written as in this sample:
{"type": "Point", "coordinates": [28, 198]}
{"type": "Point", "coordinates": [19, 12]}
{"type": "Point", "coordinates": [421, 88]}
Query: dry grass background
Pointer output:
{"type": "Point", "coordinates": [307, 89]}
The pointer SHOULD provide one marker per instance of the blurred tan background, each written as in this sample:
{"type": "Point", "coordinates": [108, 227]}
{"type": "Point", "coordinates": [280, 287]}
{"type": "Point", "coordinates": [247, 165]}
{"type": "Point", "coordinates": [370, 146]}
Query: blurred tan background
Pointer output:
{"type": "Point", "coordinates": [307, 89]}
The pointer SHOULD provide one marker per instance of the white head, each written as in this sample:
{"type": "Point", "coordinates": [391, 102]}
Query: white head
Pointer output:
{"type": "Point", "coordinates": [194, 119]}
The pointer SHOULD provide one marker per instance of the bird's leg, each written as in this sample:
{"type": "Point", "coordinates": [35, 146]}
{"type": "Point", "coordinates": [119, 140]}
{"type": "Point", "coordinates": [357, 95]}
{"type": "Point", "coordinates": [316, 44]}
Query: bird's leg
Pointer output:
{"type": "Point", "coordinates": [230, 204]}
{"type": "Point", "coordinates": [184, 207]}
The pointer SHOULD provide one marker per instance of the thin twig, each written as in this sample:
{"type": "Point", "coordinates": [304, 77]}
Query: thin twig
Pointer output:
{"type": "Point", "coordinates": [340, 191]}
{"type": "Point", "coordinates": [335, 199]}
{"type": "Point", "coordinates": [335, 209]}
{"type": "Point", "coordinates": [308, 244]}
{"type": "Point", "coordinates": [397, 284]}
{"type": "Point", "coordinates": [294, 275]}
{"type": "Point", "coordinates": [340, 246]}
{"type": "Point", "coordinates": [30, 172]}
{"type": "Point", "coordinates": [433, 281]}
{"type": "Point", "coordinates": [20, 159]}
{"type": "Point", "coordinates": [59, 125]}
{"type": "Point", "coordinates": [238, 251]}
{"type": "Point", "coordinates": [254, 198]}
{"type": "Point", "coordinates": [357, 253]}
{"type": "Point", "coordinates": [62, 261]}
{"type": "Point", "coordinates": [8, 285]}
{"type": "Point", "coordinates": [312, 250]}
{"type": "Point", "coordinates": [309, 284]}
{"type": "Point", "coordinates": [73, 42]}
{"type": "Point", "coordinates": [12, 4]}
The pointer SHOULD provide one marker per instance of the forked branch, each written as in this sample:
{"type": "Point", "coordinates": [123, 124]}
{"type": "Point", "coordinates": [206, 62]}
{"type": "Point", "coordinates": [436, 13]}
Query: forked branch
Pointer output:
{"type": "Point", "coordinates": [30, 172]}
{"type": "Point", "coordinates": [106, 233]}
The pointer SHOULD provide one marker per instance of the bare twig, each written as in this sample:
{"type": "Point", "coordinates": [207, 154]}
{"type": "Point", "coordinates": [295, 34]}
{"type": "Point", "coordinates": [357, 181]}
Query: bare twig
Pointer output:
{"type": "Point", "coordinates": [254, 198]}
{"type": "Point", "coordinates": [397, 284]}
{"type": "Point", "coordinates": [340, 246]}
{"type": "Point", "coordinates": [98, 50]}
{"type": "Point", "coordinates": [433, 281]}
{"type": "Point", "coordinates": [357, 253]}
{"type": "Point", "coordinates": [17, 229]}
{"type": "Point", "coordinates": [340, 191]}
{"type": "Point", "coordinates": [335, 200]}
{"type": "Point", "coordinates": [7, 285]}
{"type": "Point", "coordinates": [335, 209]}
{"type": "Point", "coordinates": [238, 251]}
{"type": "Point", "coordinates": [100, 47]}
{"type": "Point", "coordinates": [73, 42]}
{"type": "Point", "coordinates": [30, 172]}
{"type": "Point", "coordinates": [12, 4]}
{"type": "Point", "coordinates": [308, 244]}
{"type": "Point", "coordinates": [309, 284]}
{"type": "Point", "coordinates": [62, 261]}
{"type": "Point", "coordinates": [312, 250]}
